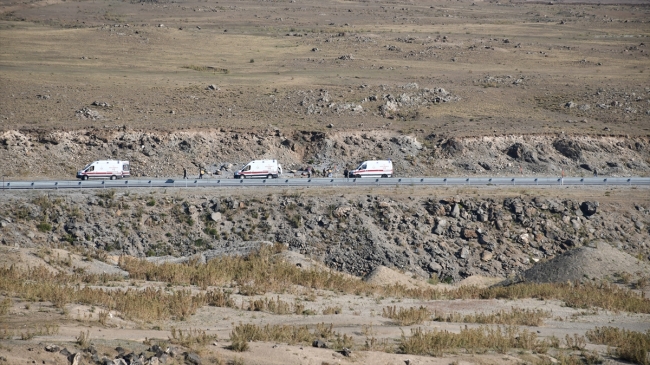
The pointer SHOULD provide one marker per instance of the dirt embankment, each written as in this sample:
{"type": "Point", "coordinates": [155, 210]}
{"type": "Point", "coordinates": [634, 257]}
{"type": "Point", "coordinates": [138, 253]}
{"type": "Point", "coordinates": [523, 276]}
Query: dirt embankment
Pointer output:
{"type": "Point", "coordinates": [428, 232]}
{"type": "Point", "coordinates": [52, 154]}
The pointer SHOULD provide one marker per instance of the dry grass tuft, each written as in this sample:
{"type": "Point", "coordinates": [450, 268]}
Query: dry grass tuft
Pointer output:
{"type": "Point", "coordinates": [516, 316]}
{"type": "Point", "coordinates": [407, 317]}
{"type": "Point", "coordinates": [5, 304]}
{"type": "Point", "coordinates": [83, 340]}
{"type": "Point", "coordinates": [244, 333]}
{"type": "Point", "coordinates": [275, 306]}
{"type": "Point", "coordinates": [192, 338]}
{"type": "Point", "coordinates": [630, 345]}
{"type": "Point", "coordinates": [500, 339]}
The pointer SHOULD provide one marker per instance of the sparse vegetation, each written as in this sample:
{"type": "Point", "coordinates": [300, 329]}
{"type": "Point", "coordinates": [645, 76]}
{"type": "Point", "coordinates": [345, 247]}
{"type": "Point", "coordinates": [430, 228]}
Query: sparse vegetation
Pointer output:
{"type": "Point", "coordinates": [192, 338]}
{"type": "Point", "coordinates": [630, 345]}
{"type": "Point", "coordinates": [407, 316]}
{"type": "Point", "coordinates": [473, 340]}
{"type": "Point", "coordinates": [516, 316]}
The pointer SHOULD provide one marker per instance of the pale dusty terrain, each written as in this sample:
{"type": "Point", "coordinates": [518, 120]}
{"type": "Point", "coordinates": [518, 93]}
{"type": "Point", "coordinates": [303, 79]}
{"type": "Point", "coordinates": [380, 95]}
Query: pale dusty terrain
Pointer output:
{"type": "Point", "coordinates": [443, 88]}
{"type": "Point", "coordinates": [360, 317]}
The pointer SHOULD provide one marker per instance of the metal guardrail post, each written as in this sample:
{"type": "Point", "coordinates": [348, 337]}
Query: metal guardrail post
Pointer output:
{"type": "Point", "coordinates": [536, 182]}
{"type": "Point", "coordinates": [629, 182]}
{"type": "Point", "coordinates": [513, 181]}
{"type": "Point", "coordinates": [445, 180]}
{"type": "Point", "coordinates": [467, 180]}
{"type": "Point", "coordinates": [56, 185]}
{"type": "Point", "coordinates": [605, 180]}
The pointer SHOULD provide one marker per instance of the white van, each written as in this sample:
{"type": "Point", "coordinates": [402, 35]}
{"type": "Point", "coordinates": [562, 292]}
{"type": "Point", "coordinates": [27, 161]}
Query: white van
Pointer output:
{"type": "Point", "coordinates": [260, 168]}
{"type": "Point", "coordinates": [381, 168]}
{"type": "Point", "coordinates": [111, 169]}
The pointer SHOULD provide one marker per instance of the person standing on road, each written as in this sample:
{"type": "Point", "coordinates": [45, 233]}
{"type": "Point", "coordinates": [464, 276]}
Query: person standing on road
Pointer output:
{"type": "Point", "coordinates": [346, 173]}
{"type": "Point", "coordinates": [201, 172]}
{"type": "Point", "coordinates": [184, 173]}
{"type": "Point", "coordinates": [595, 173]}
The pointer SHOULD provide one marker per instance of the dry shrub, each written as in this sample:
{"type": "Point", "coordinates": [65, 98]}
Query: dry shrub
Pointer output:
{"type": "Point", "coordinates": [516, 316]}
{"type": "Point", "coordinates": [575, 342]}
{"type": "Point", "coordinates": [219, 298]}
{"type": "Point", "coordinates": [332, 310]}
{"type": "Point", "coordinates": [501, 339]}
{"type": "Point", "coordinates": [244, 333]}
{"type": "Point", "coordinates": [103, 317]}
{"type": "Point", "coordinates": [192, 338]}
{"type": "Point", "coordinates": [275, 306]}
{"type": "Point", "coordinates": [569, 359]}
{"type": "Point", "coordinates": [5, 304]}
{"type": "Point", "coordinates": [630, 345]}
{"type": "Point", "coordinates": [83, 340]}
{"type": "Point", "coordinates": [407, 317]}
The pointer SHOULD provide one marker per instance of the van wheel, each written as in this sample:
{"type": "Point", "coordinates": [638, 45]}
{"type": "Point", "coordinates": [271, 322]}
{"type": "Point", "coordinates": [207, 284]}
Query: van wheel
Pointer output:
{"type": "Point", "coordinates": [384, 175]}
{"type": "Point", "coordinates": [113, 177]}
{"type": "Point", "coordinates": [269, 177]}
{"type": "Point", "coordinates": [84, 177]}
{"type": "Point", "coordinates": [243, 177]}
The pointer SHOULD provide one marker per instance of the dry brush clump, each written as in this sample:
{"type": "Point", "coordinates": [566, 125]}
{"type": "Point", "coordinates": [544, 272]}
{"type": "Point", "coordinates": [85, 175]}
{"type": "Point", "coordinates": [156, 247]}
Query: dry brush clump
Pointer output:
{"type": "Point", "coordinates": [484, 338]}
{"type": "Point", "coordinates": [192, 338]}
{"type": "Point", "coordinates": [407, 316]}
{"type": "Point", "coordinates": [516, 316]}
{"type": "Point", "coordinates": [39, 284]}
{"type": "Point", "coordinates": [275, 306]}
{"type": "Point", "coordinates": [244, 333]}
{"type": "Point", "coordinates": [630, 345]}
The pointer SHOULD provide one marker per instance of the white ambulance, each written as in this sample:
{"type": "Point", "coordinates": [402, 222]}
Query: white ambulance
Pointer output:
{"type": "Point", "coordinates": [111, 169]}
{"type": "Point", "coordinates": [381, 168]}
{"type": "Point", "coordinates": [260, 168]}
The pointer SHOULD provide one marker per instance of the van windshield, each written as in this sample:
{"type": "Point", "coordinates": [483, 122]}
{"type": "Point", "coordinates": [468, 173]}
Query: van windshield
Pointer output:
{"type": "Point", "coordinates": [363, 166]}
{"type": "Point", "coordinates": [85, 167]}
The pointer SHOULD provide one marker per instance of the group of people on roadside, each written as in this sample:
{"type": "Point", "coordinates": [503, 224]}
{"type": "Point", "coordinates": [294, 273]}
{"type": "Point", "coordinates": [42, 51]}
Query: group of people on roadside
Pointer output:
{"type": "Point", "coordinates": [309, 171]}
{"type": "Point", "coordinates": [201, 172]}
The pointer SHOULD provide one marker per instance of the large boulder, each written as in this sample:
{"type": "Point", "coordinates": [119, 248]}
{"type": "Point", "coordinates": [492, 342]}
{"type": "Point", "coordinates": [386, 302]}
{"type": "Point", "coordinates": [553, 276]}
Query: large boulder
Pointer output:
{"type": "Point", "coordinates": [568, 148]}
{"type": "Point", "coordinates": [519, 151]}
{"type": "Point", "coordinates": [453, 147]}
{"type": "Point", "coordinates": [589, 208]}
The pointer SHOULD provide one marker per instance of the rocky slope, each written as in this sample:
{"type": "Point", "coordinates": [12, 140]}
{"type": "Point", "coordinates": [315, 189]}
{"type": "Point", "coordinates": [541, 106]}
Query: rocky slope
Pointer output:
{"type": "Point", "coordinates": [449, 237]}
{"type": "Point", "coordinates": [52, 154]}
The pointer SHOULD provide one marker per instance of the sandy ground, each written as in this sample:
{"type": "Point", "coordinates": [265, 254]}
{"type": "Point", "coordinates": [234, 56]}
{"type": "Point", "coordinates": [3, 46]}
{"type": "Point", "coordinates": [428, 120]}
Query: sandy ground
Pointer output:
{"type": "Point", "coordinates": [512, 66]}
{"type": "Point", "coordinates": [360, 317]}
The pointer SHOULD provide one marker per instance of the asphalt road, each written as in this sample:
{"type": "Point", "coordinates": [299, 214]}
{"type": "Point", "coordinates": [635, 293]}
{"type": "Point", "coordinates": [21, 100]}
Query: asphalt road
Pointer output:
{"type": "Point", "coordinates": [325, 182]}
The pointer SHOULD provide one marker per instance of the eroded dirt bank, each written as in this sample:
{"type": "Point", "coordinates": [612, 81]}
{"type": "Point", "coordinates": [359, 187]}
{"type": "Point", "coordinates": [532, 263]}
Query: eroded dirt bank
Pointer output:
{"type": "Point", "coordinates": [58, 155]}
{"type": "Point", "coordinates": [443, 233]}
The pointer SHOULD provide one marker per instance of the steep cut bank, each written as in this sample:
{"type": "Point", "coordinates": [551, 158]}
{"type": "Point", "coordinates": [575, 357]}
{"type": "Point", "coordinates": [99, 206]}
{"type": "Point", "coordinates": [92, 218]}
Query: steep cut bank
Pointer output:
{"type": "Point", "coordinates": [428, 232]}
{"type": "Point", "coordinates": [58, 155]}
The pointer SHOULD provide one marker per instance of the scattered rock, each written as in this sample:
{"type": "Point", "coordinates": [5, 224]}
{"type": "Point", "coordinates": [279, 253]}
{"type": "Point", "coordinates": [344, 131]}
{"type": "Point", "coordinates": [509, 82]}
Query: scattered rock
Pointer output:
{"type": "Point", "coordinates": [589, 208]}
{"type": "Point", "coordinates": [192, 358]}
{"type": "Point", "coordinates": [52, 348]}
